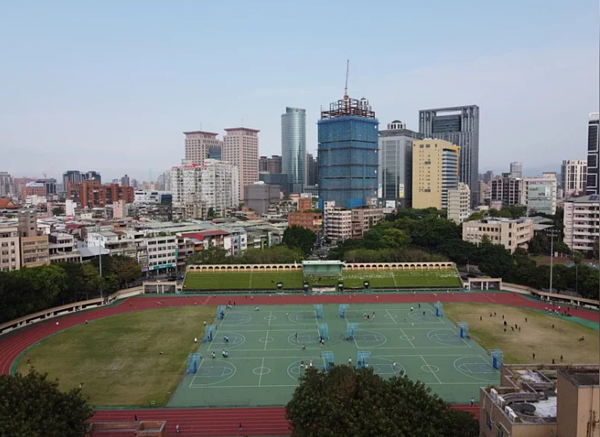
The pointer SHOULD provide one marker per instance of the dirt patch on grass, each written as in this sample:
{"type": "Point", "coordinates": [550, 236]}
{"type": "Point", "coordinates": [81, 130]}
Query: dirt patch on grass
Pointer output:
{"type": "Point", "coordinates": [547, 336]}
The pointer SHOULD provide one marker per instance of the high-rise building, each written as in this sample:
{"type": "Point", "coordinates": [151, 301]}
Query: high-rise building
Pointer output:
{"type": "Point", "coordinates": [592, 159]}
{"type": "Point", "coordinates": [395, 164]}
{"type": "Point", "coordinates": [313, 170]}
{"type": "Point", "coordinates": [198, 188]}
{"type": "Point", "coordinates": [272, 164]}
{"type": "Point", "coordinates": [507, 190]}
{"type": "Point", "coordinates": [91, 176]}
{"type": "Point", "coordinates": [348, 153]}
{"type": "Point", "coordinates": [7, 185]}
{"type": "Point", "coordinates": [458, 125]}
{"type": "Point", "coordinates": [573, 173]}
{"type": "Point", "coordinates": [539, 194]}
{"type": "Point", "coordinates": [581, 223]}
{"type": "Point", "coordinates": [434, 172]}
{"type": "Point", "coordinates": [72, 176]}
{"type": "Point", "coordinates": [488, 176]}
{"type": "Point", "coordinates": [516, 169]}
{"type": "Point", "coordinates": [198, 145]}
{"type": "Point", "coordinates": [214, 152]}
{"type": "Point", "coordinates": [459, 203]}
{"type": "Point", "coordinates": [240, 148]}
{"type": "Point", "coordinates": [293, 146]}
{"type": "Point", "coordinates": [125, 181]}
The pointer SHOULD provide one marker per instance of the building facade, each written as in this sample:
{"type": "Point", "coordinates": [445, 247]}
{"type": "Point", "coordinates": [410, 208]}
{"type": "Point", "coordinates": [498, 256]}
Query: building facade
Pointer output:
{"type": "Point", "coordinates": [7, 185]}
{"type": "Point", "coordinates": [348, 153]}
{"type": "Point", "coordinates": [459, 203]}
{"type": "Point", "coordinates": [395, 164]}
{"type": "Point", "coordinates": [581, 222]}
{"type": "Point", "coordinates": [516, 169]}
{"type": "Point", "coordinates": [573, 174]}
{"type": "Point", "coordinates": [435, 170]}
{"type": "Point", "coordinates": [62, 247]}
{"type": "Point", "coordinates": [312, 170]}
{"type": "Point", "coordinates": [240, 148]}
{"type": "Point", "coordinates": [539, 194]}
{"type": "Point", "coordinates": [259, 196]}
{"type": "Point", "coordinates": [337, 222]}
{"type": "Point", "coordinates": [196, 189]}
{"type": "Point", "coordinates": [306, 219]}
{"type": "Point", "coordinates": [364, 219]}
{"type": "Point", "coordinates": [592, 159]}
{"type": "Point", "coordinates": [539, 400]}
{"type": "Point", "coordinates": [198, 144]}
{"type": "Point", "coordinates": [507, 190]}
{"type": "Point", "coordinates": [293, 146]}
{"type": "Point", "coordinates": [270, 164]}
{"type": "Point", "coordinates": [457, 125]}
{"type": "Point", "coordinates": [10, 250]}
{"type": "Point", "coordinates": [510, 233]}
{"type": "Point", "coordinates": [33, 244]}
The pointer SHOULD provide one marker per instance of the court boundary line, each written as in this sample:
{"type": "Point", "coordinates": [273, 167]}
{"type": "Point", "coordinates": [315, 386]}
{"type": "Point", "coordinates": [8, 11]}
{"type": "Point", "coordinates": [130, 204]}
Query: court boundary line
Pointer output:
{"type": "Point", "coordinates": [431, 370]}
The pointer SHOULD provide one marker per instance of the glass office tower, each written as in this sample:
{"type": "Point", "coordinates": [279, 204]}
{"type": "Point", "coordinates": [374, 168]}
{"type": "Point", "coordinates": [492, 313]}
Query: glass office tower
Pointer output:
{"type": "Point", "coordinates": [293, 147]}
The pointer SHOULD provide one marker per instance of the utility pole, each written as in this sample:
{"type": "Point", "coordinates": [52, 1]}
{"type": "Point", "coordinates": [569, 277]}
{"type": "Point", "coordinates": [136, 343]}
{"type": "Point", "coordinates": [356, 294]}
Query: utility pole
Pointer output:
{"type": "Point", "coordinates": [551, 257]}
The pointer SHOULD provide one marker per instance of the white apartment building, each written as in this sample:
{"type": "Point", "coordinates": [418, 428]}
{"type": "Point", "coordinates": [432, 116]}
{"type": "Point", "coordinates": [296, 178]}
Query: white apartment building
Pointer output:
{"type": "Point", "coordinates": [539, 194]}
{"type": "Point", "coordinates": [162, 253]}
{"type": "Point", "coordinates": [581, 222]}
{"type": "Point", "coordinates": [147, 196]}
{"type": "Point", "coordinates": [117, 242]}
{"type": "Point", "coordinates": [510, 233]}
{"type": "Point", "coordinates": [240, 148]}
{"type": "Point", "coordinates": [198, 188]}
{"type": "Point", "coordinates": [459, 203]}
{"type": "Point", "coordinates": [574, 177]}
{"type": "Point", "coordinates": [197, 144]}
{"type": "Point", "coordinates": [337, 222]}
{"type": "Point", "coordinates": [10, 255]}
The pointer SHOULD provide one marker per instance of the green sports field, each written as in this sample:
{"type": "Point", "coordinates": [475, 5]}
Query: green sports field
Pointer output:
{"type": "Point", "coordinates": [265, 358]}
{"type": "Point", "coordinates": [393, 279]}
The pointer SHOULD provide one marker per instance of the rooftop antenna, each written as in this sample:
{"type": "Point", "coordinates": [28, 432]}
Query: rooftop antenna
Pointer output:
{"type": "Point", "coordinates": [347, 72]}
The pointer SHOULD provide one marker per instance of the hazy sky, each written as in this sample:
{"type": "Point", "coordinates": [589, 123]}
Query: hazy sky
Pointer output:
{"type": "Point", "coordinates": [110, 85]}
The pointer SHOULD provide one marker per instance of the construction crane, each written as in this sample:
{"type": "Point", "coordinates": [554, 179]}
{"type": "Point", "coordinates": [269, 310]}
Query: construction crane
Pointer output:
{"type": "Point", "coordinates": [347, 72]}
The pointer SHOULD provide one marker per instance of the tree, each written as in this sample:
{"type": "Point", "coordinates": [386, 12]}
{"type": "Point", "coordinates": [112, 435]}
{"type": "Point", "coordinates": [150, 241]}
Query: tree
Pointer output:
{"type": "Point", "coordinates": [126, 269]}
{"type": "Point", "coordinates": [31, 405]}
{"type": "Point", "coordinates": [395, 238]}
{"type": "Point", "coordinates": [57, 210]}
{"type": "Point", "coordinates": [211, 213]}
{"type": "Point", "coordinates": [475, 216]}
{"type": "Point", "coordinates": [302, 238]}
{"type": "Point", "coordinates": [359, 403]}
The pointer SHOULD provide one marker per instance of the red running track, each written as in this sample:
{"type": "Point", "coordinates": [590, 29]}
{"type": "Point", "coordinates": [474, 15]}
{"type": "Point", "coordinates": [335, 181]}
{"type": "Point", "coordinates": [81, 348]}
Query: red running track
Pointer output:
{"type": "Point", "coordinates": [225, 422]}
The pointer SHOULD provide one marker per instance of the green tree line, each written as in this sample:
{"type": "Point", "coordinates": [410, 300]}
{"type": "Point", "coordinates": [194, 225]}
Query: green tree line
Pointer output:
{"type": "Point", "coordinates": [33, 289]}
{"type": "Point", "coordinates": [426, 235]}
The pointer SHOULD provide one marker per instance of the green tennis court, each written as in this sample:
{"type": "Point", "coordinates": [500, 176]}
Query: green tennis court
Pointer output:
{"type": "Point", "coordinates": [268, 348]}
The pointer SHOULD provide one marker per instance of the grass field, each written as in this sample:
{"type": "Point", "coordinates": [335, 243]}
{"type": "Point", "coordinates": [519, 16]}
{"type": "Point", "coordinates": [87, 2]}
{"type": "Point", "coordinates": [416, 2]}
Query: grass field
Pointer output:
{"type": "Point", "coordinates": [295, 280]}
{"type": "Point", "coordinates": [118, 358]}
{"type": "Point", "coordinates": [536, 336]}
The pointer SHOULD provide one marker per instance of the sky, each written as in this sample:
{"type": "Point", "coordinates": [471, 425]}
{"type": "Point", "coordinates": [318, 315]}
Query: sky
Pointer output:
{"type": "Point", "coordinates": [112, 85]}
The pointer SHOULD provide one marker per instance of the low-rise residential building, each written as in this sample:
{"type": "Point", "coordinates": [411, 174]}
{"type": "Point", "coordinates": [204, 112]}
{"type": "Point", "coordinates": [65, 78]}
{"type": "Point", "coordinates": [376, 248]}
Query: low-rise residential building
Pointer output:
{"type": "Point", "coordinates": [311, 220]}
{"type": "Point", "coordinates": [364, 219]}
{"type": "Point", "coordinates": [10, 253]}
{"type": "Point", "coordinates": [459, 203]}
{"type": "Point", "coordinates": [305, 204]}
{"type": "Point", "coordinates": [538, 400]}
{"type": "Point", "coordinates": [35, 251]}
{"type": "Point", "coordinates": [337, 222]}
{"type": "Point", "coordinates": [510, 233]}
{"type": "Point", "coordinates": [581, 222]}
{"type": "Point", "coordinates": [162, 253]}
{"type": "Point", "coordinates": [62, 248]}
{"type": "Point", "coordinates": [116, 242]}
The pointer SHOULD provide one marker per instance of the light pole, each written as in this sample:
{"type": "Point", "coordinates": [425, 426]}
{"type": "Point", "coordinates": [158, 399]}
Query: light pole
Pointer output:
{"type": "Point", "coordinates": [551, 257]}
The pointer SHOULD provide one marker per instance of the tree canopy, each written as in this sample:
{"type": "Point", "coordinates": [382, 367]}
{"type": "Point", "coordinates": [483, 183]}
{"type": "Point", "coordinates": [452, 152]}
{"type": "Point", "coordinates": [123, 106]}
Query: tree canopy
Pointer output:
{"type": "Point", "coordinates": [350, 402]}
{"type": "Point", "coordinates": [31, 405]}
{"type": "Point", "coordinates": [299, 237]}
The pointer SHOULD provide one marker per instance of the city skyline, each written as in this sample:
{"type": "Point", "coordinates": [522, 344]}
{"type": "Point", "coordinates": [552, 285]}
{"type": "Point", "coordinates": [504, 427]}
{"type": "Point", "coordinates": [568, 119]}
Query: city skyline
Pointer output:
{"type": "Point", "coordinates": [63, 88]}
